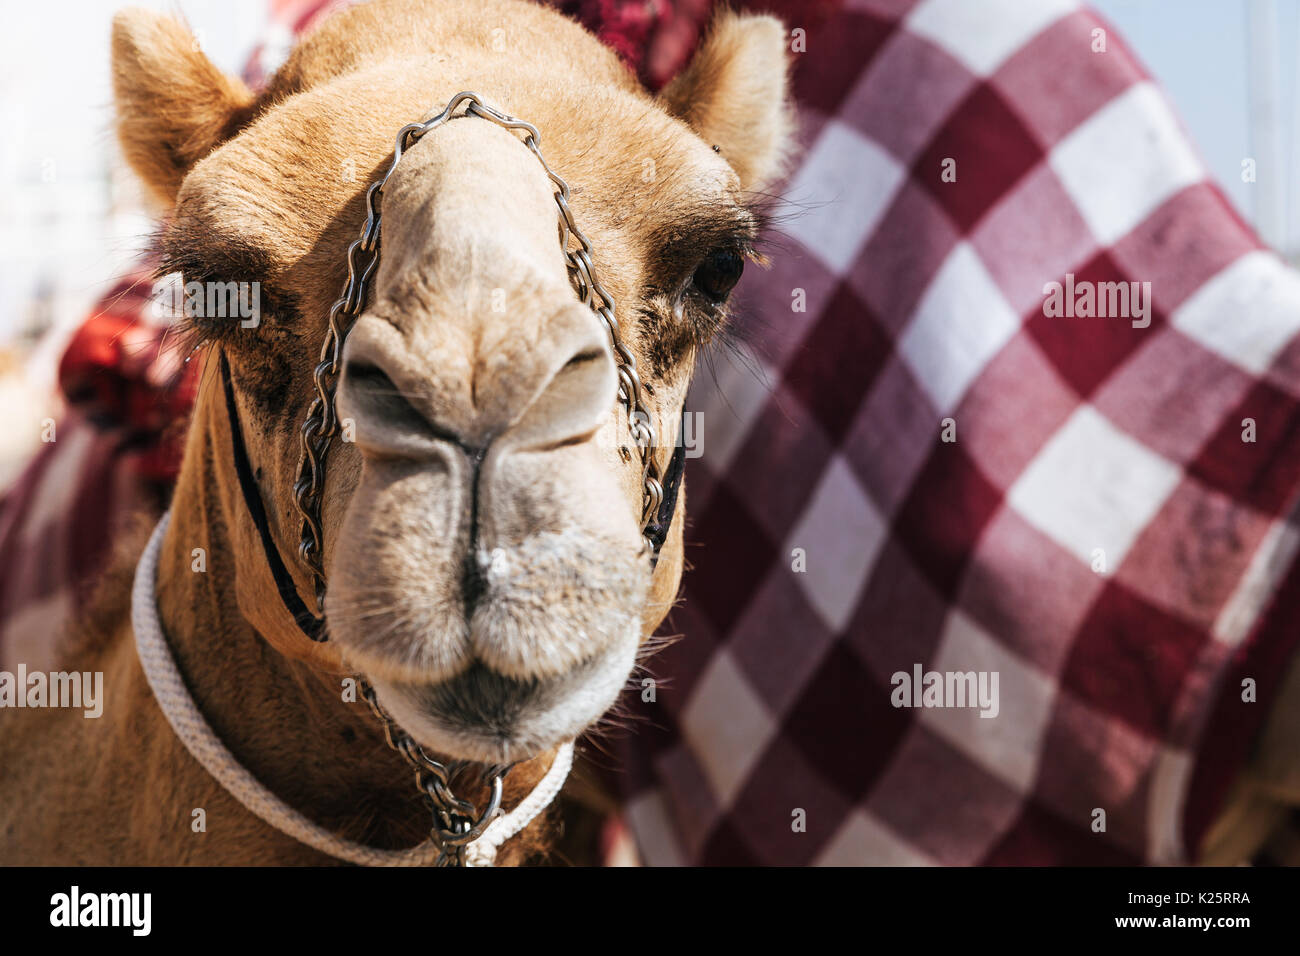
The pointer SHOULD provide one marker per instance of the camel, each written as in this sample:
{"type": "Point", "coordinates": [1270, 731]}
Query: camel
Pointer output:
{"type": "Point", "coordinates": [481, 511]}
{"type": "Point", "coordinates": [480, 531]}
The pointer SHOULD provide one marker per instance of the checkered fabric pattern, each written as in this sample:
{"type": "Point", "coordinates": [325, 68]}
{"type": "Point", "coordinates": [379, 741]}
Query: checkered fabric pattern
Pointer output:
{"type": "Point", "coordinates": [56, 532]}
{"type": "Point", "coordinates": [1098, 534]}
{"type": "Point", "coordinates": [111, 456]}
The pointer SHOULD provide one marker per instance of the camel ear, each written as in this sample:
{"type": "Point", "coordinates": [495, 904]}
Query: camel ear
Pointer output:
{"type": "Point", "coordinates": [173, 106]}
{"type": "Point", "coordinates": [733, 94]}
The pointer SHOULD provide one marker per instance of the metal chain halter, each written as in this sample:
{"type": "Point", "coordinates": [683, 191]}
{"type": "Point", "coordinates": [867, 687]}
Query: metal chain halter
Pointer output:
{"type": "Point", "coordinates": [456, 822]}
{"type": "Point", "coordinates": [321, 424]}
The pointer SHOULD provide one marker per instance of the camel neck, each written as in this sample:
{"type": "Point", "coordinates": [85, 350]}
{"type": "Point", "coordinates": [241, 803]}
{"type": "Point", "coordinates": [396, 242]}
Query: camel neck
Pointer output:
{"type": "Point", "coordinates": [286, 720]}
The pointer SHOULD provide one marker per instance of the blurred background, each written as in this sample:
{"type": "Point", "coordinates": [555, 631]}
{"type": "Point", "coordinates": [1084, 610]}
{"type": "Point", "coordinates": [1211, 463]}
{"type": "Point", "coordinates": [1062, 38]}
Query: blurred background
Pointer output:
{"type": "Point", "coordinates": [72, 219]}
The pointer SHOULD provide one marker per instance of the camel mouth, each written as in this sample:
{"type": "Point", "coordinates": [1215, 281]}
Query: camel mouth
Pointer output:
{"type": "Point", "coordinates": [485, 716]}
{"type": "Point", "coordinates": [539, 653]}
{"type": "Point", "coordinates": [528, 657]}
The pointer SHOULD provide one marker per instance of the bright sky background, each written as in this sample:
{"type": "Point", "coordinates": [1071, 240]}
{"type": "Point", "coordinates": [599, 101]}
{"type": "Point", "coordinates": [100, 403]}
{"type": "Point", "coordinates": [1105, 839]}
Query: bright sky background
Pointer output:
{"type": "Point", "coordinates": [71, 235]}
{"type": "Point", "coordinates": [1200, 51]}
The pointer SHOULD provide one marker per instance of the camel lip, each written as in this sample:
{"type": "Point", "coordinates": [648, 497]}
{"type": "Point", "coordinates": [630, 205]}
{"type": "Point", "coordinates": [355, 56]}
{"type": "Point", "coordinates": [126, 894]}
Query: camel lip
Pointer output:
{"type": "Point", "coordinates": [398, 671]}
{"type": "Point", "coordinates": [481, 716]}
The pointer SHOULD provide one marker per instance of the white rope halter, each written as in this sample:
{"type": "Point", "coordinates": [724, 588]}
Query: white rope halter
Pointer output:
{"type": "Point", "coordinates": [200, 740]}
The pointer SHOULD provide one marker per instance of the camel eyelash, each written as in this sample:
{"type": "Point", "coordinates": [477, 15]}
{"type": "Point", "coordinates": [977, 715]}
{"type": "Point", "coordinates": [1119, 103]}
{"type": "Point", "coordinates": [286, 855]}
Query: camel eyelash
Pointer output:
{"type": "Point", "coordinates": [208, 308]}
{"type": "Point", "coordinates": [222, 294]}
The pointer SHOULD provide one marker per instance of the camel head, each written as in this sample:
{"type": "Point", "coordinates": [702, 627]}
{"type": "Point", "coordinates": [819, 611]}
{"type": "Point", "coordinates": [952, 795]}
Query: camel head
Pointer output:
{"type": "Point", "coordinates": [481, 510]}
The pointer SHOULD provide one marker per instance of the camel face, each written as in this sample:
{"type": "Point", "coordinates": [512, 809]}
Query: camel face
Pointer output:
{"type": "Point", "coordinates": [482, 514]}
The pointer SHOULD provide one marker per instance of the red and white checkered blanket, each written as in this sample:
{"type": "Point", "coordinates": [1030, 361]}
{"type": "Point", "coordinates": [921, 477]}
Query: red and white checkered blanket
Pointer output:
{"type": "Point", "coordinates": [113, 455]}
{"type": "Point", "coordinates": [1098, 534]}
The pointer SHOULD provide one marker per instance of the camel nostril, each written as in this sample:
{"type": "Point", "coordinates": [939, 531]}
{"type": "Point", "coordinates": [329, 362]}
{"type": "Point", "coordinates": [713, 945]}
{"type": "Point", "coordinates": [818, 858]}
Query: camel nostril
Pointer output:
{"type": "Point", "coordinates": [584, 358]}
{"type": "Point", "coordinates": [571, 399]}
{"type": "Point", "coordinates": [376, 397]}
{"type": "Point", "coordinates": [373, 392]}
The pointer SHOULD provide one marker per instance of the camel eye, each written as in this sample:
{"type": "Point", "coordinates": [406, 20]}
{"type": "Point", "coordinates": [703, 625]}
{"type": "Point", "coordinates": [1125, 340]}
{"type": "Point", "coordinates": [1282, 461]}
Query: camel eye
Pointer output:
{"type": "Point", "coordinates": [718, 274]}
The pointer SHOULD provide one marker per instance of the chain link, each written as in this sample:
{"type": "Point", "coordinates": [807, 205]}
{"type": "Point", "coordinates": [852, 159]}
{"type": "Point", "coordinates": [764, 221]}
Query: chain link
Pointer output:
{"type": "Point", "coordinates": [456, 822]}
